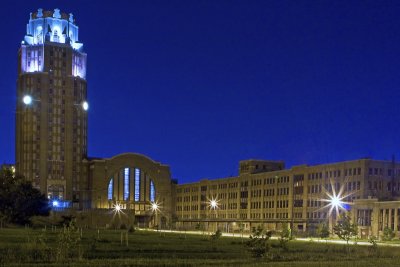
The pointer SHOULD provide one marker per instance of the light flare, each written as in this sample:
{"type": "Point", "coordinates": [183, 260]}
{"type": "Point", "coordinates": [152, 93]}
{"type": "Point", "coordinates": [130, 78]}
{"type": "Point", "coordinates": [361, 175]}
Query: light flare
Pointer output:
{"type": "Point", "coordinates": [213, 203]}
{"type": "Point", "coordinates": [155, 206]}
{"type": "Point", "coordinates": [335, 200]}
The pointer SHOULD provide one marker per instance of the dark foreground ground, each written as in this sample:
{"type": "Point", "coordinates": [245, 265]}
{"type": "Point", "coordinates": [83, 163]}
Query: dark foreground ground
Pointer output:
{"type": "Point", "coordinates": [60, 247]}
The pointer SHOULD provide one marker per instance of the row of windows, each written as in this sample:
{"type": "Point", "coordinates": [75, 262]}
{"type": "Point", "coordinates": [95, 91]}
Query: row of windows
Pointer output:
{"type": "Point", "coordinates": [284, 179]}
{"type": "Point", "coordinates": [379, 171]}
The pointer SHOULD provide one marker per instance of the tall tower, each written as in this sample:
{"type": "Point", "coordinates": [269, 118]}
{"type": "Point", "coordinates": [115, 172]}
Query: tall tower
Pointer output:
{"type": "Point", "coordinates": [51, 117]}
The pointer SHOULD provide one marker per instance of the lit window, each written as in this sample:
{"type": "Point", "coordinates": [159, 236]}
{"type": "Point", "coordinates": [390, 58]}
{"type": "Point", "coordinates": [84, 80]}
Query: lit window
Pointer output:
{"type": "Point", "coordinates": [152, 192]}
{"type": "Point", "coordinates": [137, 184]}
{"type": "Point", "coordinates": [126, 183]}
{"type": "Point", "coordinates": [110, 189]}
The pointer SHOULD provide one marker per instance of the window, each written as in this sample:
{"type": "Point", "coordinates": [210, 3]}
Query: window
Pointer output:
{"type": "Point", "coordinates": [126, 184]}
{"type": "Point", "coordinates": [152, 192]}
{"type": "Point", "coordinates": [137, 184]}
{"type": "Point", "coordinates": [110, 189]}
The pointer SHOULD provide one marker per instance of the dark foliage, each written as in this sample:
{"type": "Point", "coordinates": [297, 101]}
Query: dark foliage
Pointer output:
{"type": "Point", "coordinates": [258, 244]}
{"type": "Point", "coordinates": [19, 201]}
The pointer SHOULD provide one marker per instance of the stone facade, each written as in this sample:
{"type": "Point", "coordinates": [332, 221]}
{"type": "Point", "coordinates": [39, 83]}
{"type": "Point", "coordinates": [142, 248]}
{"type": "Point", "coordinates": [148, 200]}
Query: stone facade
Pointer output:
{"type": "Point", "coordinates": [135, 182]}
{"type": "Point", "coordinates": [51, 117]}
{"type": "Point", "coordinates": [299, 196]}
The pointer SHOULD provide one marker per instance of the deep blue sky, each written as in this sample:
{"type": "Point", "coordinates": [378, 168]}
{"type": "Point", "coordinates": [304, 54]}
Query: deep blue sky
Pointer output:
{"type": "Point", "coordinates": [200, 85]}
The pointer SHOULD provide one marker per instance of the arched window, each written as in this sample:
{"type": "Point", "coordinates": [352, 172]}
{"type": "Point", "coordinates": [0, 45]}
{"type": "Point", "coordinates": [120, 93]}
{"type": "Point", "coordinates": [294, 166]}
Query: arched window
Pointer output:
{"type": "Point", "coordinates": [152, 191]}
{"type": "Point", "coordinates": [110, 189]}
{"type": "Point", "coordinates": [137, 184]}
{"type": "Point", "coordinates": [126, 184]}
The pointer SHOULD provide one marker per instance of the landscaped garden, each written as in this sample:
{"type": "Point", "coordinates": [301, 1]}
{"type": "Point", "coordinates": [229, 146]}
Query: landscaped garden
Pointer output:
{"type": "Point", "coordinates": [70, 246]}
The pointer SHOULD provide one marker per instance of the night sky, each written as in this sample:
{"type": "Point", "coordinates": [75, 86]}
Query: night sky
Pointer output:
{"type": "Point", "coordinates": [200, 85]}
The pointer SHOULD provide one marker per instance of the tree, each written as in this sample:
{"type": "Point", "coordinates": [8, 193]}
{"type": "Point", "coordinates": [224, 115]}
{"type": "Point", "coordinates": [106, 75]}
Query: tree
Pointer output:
{"type": "Point", "coordinates": [388, 234]}
{"type": "Point", "coordinates": [344, 229]}
{"type": "Point", "coordinates": [284, 236]}
{"type": "Point", "coordinates": [323, 230]}
{"type": "Point", "coordinates": [19, 201]}
{"type": "Point", "coordinates": [258, 244]}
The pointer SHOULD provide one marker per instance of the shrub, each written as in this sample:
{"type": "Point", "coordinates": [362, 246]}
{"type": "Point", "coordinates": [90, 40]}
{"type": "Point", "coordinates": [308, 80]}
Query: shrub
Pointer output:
{"type": "Point", "coordinates": [388, 234]}
{"type": "Point", "coordinates": [344, 229]}
{"type": "Point", "coordinates": [131, 229]}
{"type": "Point", "coordinates": [284, 237]}
{"type": "Point", "coordinates": [374, 245]}
{"type": "Point", "coordinates": [323, 230]}
{"type": "Point", "coordinates": [258, 244]}
{"type": "Point", "coordinates": [215, 236]}
{"type": "Point", "coordinates": [68, 243]}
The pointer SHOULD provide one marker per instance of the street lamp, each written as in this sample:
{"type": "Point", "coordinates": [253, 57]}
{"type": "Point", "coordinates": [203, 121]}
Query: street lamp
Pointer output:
{"type": "Point", "coordinates": [213, 204]}
{"type": "Point", "coordinates": [154, 208]}
{"type": "Point", "coordinates": [335, 202]}
{"type": "Point", "coordinates": [117, 208]}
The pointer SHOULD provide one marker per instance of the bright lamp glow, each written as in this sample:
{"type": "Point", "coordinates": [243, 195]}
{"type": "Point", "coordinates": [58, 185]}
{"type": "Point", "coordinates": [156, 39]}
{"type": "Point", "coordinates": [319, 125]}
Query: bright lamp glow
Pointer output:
{"type": "Point", "coordinates": [213, 203]}
{"type": "Point", "coordinates": [154, 206]}
{"type": "Point", "coordinates": [55, 203]}
{"type": "Point", "coordinates": [85, 106]}
{"type": "Point", "coordinates": [27, 100]}
{"type": "Point", "coordinates": [335, 200]}
{"type": "Point", "coordinates": [117, 208]}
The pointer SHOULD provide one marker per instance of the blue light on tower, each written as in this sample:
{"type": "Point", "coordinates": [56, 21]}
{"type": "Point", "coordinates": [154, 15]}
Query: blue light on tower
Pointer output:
{"type": "Point", "coordinates": [51, 27]}
{"type": "Point", "coordinates": [55, 203]}
{"type": "Point", "coordinates": [59, 204]}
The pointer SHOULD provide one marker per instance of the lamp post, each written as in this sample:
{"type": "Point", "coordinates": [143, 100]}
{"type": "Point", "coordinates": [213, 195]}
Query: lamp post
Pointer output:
{"type": "Point", "coordinates": [154, 208]}
{"type": "Point", "coordinates": [213, 204]}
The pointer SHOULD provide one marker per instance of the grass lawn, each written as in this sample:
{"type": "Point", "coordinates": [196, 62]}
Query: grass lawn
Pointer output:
{"type": "Point", "coordinates": [27, 247]}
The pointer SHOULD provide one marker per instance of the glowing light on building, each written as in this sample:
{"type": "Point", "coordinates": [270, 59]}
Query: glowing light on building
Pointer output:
{"type": "Point", "coordinates": [55, 203]}
{"type": "Point", "coordinates": [126, 183]}
{"type": "Point", "coordinates": [85, 106]}
{"type": "Point", "coordinates": [79, 65]}
{"type": "Point", "coordinates": [335, 200]}
{"type": "Point", "coordinates": [213, 203]}
{"type": "Point", "coordinates": [117, 208]}
{"type": "Point", "coordinates": [27, 100]}
{"type": "Point", "coordinates": [53, 27]}
{"type": "Point", "coordinates": [32, 58]}
{"type": "Point", "coordinates": [154, 206]}
{"type": "Point", "coordinates": [137, 184]}
{"type": "Point", "coordinates": [152, 191]}
{"type": "Point", "coordinates": [58, 204]}
{"type": "Point", "coordinates": [110, 189]}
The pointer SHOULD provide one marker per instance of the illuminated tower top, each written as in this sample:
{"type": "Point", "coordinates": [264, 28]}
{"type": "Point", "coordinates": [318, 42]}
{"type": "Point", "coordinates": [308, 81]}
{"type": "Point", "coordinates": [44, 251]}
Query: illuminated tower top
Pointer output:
{"type": "Point", "coordinates": [52, 26]}
{"type": "Point", "coordinates": [55, 29]}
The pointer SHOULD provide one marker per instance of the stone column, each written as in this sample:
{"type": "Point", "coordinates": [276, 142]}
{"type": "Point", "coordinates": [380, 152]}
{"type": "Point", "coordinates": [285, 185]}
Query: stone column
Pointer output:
{"type": "Point", "coordinates": [395, 220]}
{"type": "Point", "coordinates": [375, 221]}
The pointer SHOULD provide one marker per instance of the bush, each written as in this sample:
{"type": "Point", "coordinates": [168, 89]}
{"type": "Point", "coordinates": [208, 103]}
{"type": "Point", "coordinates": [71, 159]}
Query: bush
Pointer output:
{"type": "Point", "coordinates": [215, 236]}
{"type": "Point", "coordinates": [388, 234]}
{"type": "Point", "coordinates": [374, 245]}
{"type": "Point", "coordinates": [19, 201]}
{"type": "Point", "coordinates": [131, 229]}
{"type": "Point", "coordinates": [284, 237]}
{"type": "Point", "coordinates": [258, 245]}
{"type": "Point", "coordinates": [323, 230]}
